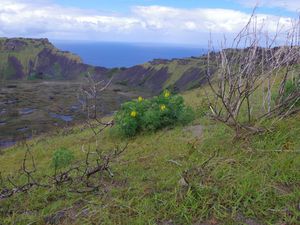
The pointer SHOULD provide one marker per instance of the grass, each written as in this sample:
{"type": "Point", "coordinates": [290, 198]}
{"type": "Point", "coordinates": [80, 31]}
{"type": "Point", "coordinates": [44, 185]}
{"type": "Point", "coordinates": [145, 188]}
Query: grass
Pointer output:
{"type": "Point", "coordinates": [177, 69]}
{"type": "Point", "coordinates": [229, 182]}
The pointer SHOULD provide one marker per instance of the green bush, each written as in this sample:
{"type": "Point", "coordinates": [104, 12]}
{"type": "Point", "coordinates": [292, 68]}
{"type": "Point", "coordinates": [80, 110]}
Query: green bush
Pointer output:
{"type": "Point", "coordinates": [62, 158]}
{"type": "Point", "coordinates": [152, 114]}
{"type": "Point", "coordinates": [292, 86]}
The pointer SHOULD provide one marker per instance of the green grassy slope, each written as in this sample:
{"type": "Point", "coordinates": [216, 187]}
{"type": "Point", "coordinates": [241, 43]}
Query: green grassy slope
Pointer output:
{"type": "Point", "coordinates": [254, 181]}
{"type": "Point", "coordinates": [177, 75]}
{"type": "Point", "coordinates": [26, 51]}
{"type": "Point", "coordinates": [177, 68]}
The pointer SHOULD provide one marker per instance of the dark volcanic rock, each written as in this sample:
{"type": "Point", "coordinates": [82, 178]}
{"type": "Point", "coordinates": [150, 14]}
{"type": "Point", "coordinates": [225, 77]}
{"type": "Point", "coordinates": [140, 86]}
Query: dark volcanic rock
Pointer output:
{"type": "Point", "coordinates": [156, 81]}
{"type": "Point", "coordinates": [139, 76]}
{"type": "Point", "coordinates": [133, 76]}
{"type": "Point", "coordinates": [191, 76]}
{"type": "Point", "coordinates": [11, 86]}
{"type": "Point", "coordinates": [53, 65]}
{"type": "Point", "coordinates": [15, 68]}
{"type": "Point", "coordinates": [101, 73]}
{"type": "Point", "coordinates": [44, 61]}
{"type": "Point", "coordinates": [14, 44]}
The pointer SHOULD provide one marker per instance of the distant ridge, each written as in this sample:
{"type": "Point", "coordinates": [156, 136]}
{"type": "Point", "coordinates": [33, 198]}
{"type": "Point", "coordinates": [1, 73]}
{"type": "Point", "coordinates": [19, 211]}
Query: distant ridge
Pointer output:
{"type": "Point", "coordinates": [29, 59]}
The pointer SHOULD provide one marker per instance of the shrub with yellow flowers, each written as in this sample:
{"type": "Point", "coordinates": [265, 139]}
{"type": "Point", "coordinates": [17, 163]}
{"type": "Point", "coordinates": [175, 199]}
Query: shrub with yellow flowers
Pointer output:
{"type": "Point", "coordinates": [166, 94]}
{"type": "Point", "coordinates": [133, 114]}
{"type": "Point", "coordinates": [140, 99]}
{"type": "Point", "coordinates": [143, 115]}
{"type": "Point", "coordinates": [163, 107]}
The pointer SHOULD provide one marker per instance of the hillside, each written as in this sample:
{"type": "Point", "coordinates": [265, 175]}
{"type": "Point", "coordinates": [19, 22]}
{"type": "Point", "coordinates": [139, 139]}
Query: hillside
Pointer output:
{"type": "Point", "coordinates": [221, 168]}
{"type": "Point", "coordinates": [185, 175]}
{"type": "Point", "coordinates": [25, 58]}
{"type": "Point", "coordinates": [31, 59]}
{"type": "Point", "coordinates": [177, 74]}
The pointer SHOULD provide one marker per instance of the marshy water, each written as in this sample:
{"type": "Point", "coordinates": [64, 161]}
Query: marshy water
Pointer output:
{"type": "Point", "coordinates": [66, 118]}
{"type": "Point", "coordinates": [29, 108]}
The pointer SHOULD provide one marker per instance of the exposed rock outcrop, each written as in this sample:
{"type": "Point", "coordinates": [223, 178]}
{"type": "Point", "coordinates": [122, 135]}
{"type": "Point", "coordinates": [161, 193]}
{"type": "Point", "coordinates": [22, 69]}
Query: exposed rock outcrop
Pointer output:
{"type": "Point", "coordinates": [151, 79]}
{"type": "Point", "coordinates": [27, 58]}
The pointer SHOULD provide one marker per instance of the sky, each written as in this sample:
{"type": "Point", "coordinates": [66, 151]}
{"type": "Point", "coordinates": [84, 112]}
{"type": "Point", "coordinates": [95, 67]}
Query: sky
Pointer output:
{"type": "Point", "coordinates": [185, 22]}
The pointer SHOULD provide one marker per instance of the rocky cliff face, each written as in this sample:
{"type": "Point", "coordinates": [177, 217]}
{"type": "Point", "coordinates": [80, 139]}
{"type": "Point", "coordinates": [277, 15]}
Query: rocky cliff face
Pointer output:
{"type": "Point", "coordinates": [177, 75]}
{"type": "Point", "coordinates": [23, 58]}
{"type": "Point", "coordinates": [149, 78]}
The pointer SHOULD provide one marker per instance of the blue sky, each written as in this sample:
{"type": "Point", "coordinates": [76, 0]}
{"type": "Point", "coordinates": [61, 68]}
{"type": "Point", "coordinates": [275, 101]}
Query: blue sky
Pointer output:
{"type": "Point", "coordinates": [155, 21]}
{"type": "Point", "coordinates": [123, 6]}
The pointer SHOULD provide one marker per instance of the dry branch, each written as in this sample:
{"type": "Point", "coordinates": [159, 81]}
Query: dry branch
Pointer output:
{"type": "Point", "coordinates": [242, 71]}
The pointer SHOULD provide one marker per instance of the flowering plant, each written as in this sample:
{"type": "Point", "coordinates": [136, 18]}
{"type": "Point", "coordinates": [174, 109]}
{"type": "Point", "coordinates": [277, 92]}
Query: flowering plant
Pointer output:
{"type": "Point", "coordinates": [140, 99]}
{"type": "Point", "coordinates": [133, 114]}
{"type": "Point", "coordinates": [152, 114]}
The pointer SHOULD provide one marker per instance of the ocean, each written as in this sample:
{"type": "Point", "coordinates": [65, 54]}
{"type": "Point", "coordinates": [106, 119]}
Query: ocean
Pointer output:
{"type": "Point", "coordinates": [126, 54]}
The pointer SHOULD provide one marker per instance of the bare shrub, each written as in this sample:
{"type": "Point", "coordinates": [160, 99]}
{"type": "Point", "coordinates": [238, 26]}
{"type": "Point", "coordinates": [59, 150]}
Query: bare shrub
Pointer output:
{"type": "Point", "coordinates": [81, 177]}
{"type": "Point", "coordinates": [89, 97]}
{"type": "Point", "coordinates": [253, 63]}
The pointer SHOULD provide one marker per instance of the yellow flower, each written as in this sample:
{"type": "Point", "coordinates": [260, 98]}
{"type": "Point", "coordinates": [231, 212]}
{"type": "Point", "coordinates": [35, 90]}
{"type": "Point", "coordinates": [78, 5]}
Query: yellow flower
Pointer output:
{"type": "Point", "coordinates": [166, 93]}
{"type": "Point", "coordinates": [140, 99]}
{"type": "Point", "coordinates": [163, 107]}
{"type": "Point", "coordinates": [133, 114]}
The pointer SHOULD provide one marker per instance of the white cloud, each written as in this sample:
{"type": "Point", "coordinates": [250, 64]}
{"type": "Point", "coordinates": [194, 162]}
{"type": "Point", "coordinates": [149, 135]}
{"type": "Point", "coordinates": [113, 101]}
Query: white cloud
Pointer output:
{"type": "Point", "coordinates": [291, 5]}
{"type": "Point", "coordinates": [53, 17]}
{"type": "Point", "coordinates": [144, 23]}
{"type": "Point", "coordinates": [216, 20]}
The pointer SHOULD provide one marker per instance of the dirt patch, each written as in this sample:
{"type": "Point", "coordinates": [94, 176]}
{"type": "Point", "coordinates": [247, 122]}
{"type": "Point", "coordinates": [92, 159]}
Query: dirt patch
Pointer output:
{"type": "Point", "coordinates": [196, 130]}
{"type": "Point", "coordinates": [67, 216]}
{"type": "Point", "coordinates": [240, 218]}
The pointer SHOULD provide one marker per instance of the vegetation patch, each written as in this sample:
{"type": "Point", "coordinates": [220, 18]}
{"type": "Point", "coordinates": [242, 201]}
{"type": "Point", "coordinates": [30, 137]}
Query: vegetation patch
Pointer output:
{"type": "Point", "coordinates": [152, 114]}
{"type": "Point", "coordinates": [61, 158]}
{"type": "Point", "coordinates": [163, 177]}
